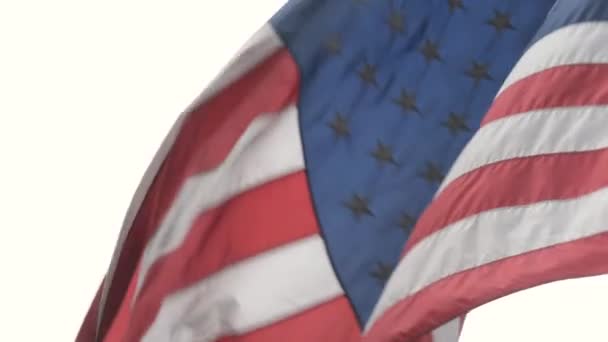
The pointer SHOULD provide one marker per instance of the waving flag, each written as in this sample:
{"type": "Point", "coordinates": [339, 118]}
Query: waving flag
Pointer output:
{"type": "Point", "coordinates": [526, 202]}
{"type": "Point", "coordinates": [281, 201]}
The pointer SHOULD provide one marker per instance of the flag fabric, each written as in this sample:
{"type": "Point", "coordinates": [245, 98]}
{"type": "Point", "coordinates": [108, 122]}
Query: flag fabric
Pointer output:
{"type": "Point", "coordinates": [280, 202]}
{"type": "Point", "coordinates": [526, 202]}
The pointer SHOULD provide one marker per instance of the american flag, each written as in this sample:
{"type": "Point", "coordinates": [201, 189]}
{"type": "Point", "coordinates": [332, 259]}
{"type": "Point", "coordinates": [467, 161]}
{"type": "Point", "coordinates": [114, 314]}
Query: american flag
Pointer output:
{"type": "Point", "coordinates": [279, 205]}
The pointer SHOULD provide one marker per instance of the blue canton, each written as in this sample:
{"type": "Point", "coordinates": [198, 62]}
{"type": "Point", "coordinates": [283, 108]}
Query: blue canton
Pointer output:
{"type": "Point", "coordinates": [391, 91]}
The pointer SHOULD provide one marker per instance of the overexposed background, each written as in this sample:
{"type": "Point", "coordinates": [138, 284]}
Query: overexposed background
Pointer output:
{"type": "Point", "coordinates": [88, 90]}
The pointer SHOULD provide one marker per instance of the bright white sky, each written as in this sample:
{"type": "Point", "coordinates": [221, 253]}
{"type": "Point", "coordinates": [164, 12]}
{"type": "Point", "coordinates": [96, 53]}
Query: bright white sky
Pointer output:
{"type": "Point", "coordinates": [87, 92]}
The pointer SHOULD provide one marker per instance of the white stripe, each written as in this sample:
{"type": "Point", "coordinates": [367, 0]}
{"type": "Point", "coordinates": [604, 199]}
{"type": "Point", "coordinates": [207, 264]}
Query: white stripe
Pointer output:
{"type": "Point", "coordinates": [252, 294]}
{"type": "Point", "coordinates": [269, 149]}
{"type": "Point", "coordinates": [567, 129]}
{"type": "Point", "coordinates": [572, 44]}
{"type": "Point", "coordinates": [449, 332]}
{"type": "Point", "coordinates": [261, 45]}
{"type": "Point", "coordinates": [491, 236]}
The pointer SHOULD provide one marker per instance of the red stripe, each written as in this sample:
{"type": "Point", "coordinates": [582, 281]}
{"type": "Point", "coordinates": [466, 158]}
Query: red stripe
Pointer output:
{"type": "Point", "coordinates": [513, 182]}
{"type": "Point", "coordinates": [253, 222]}
{"type": "Point", "coordinates": [331, 321]}
{"type": "Point", "coordinates": [569, 85]}
{"type": "Point", "coordinates": [121, 321]}
{"type": "Point", "coordinates": [425, 338]}
{"type": "Point", "coordinates": [89, 325]}
{"type": "Point", "coordinates": [206, 137]}
{"type": "Point", "coordinates": [463, 291]}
